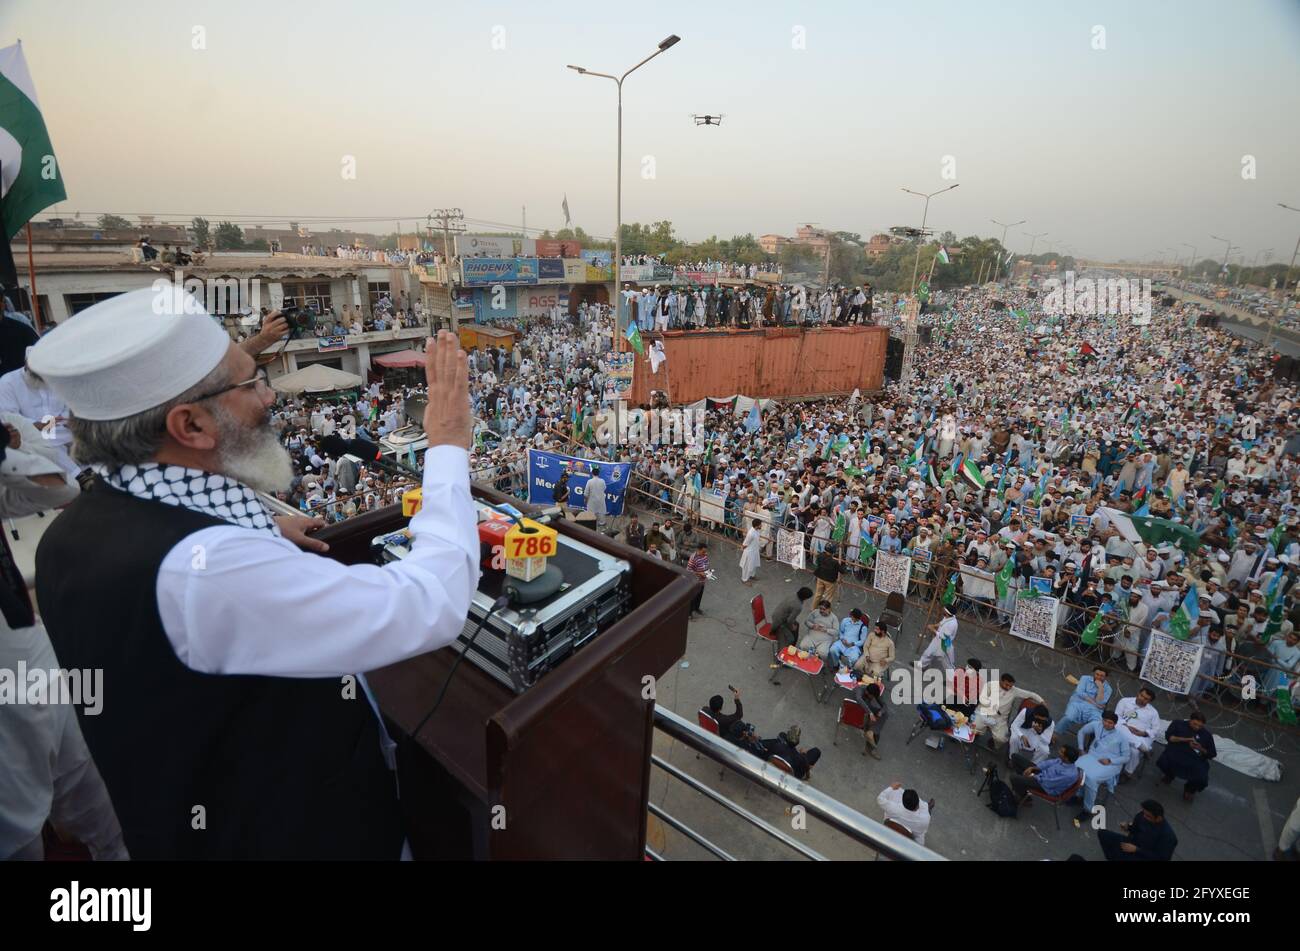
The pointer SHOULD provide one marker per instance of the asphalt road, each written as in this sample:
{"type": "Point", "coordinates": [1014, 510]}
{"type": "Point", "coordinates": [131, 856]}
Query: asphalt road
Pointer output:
{"type": "Point", "coordinates": [1236, 818]}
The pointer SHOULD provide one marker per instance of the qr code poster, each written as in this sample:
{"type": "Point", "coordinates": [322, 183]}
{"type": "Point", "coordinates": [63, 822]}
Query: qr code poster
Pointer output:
{"type": "Point", "coordinates": [1170, 663]}
{"type": "Point", "coordinates": [893, 571]}
{"type": "Point", "coordinates": [789, 548]}
{"type": "Point", "coordinates": [1035, 620]}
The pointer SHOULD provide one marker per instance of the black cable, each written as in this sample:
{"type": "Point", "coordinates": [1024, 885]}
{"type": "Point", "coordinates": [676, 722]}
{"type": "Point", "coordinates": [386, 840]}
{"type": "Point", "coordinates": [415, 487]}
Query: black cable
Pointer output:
{"type": "Point", "coordinates": [497, 605]}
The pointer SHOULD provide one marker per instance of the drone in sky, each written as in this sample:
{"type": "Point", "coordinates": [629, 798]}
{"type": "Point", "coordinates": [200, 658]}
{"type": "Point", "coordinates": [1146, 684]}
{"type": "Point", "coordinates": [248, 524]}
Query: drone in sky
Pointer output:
{"type": "Point", "coordinates": [708, 120]}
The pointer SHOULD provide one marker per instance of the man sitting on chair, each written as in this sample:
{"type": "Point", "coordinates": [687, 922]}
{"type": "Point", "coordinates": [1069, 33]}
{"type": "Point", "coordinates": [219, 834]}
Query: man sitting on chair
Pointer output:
{"type": "Point", "coordinates": [823, 630]}
{"type": "Point", "coordinates": [904, 806]}
{"type": "Point", "coordinates": [877, 654]}
{"type": "Point", "coordinates": [786, 746]}
{"type": "Point", "coordinates": [848, 647]}
{"type": "Point", "coordinates": [726, 719]}
{"type": "Point", "coordinates": [1138, 721]}
{"type": "Point", "coordinates": [1102, 763]}
{"type": "Point", "coordinates": [997, 700]}
{"type": "Point", "coordinates": [1031, 738]}
{"type": "Point", "coordinates": [1052, 776]}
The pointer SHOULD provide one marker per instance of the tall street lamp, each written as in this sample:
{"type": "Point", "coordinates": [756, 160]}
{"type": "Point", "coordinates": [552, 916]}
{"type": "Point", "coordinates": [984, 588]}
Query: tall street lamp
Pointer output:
{"type": "Point", "coordinates": [1227, 249]}
{"type": "Point", "coordinates": [1290, 267]}
{"type": "Point", "coordinates": [925, 214]}
{"type": "Point", "coordinates": [1003, 242]}
{"type": "Point", "coordinates": [666, 44]}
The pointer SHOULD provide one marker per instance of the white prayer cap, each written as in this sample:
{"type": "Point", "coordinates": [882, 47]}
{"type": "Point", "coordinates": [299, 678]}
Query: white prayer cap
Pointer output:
{"type": "Point", "coordinates": [130, 353]}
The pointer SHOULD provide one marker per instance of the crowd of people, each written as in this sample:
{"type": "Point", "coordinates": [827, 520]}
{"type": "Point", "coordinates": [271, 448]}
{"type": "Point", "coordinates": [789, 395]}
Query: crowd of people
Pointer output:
{"type": "Point", "coordinates": [660, 308]}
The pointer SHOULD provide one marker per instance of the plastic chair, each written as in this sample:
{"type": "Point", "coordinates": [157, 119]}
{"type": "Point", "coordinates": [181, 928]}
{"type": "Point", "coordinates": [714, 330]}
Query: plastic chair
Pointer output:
{"type": "Point", "coordinates": [762, 626]}
{"type": "Point", "coordinates": [895, 604]}
{"type": "Point", "coordinates": [1057, 801]}
{"type": "Point", "coordinates": [710, 725]}
{"type": "Point", "coordinates": [895, 826]}
{"type": "Point", "coordinates": [781, 764]}
{"type": "Point", "coordinates": [851, 714]}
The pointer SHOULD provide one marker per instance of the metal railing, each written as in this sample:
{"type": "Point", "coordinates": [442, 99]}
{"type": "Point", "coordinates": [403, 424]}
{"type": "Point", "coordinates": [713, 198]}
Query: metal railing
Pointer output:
{"type": "Point", "coordinates": [837, 815]}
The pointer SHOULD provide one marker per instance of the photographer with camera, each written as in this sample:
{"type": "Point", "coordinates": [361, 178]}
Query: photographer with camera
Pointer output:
{"type": "Point", "coordinates": [231, 658]}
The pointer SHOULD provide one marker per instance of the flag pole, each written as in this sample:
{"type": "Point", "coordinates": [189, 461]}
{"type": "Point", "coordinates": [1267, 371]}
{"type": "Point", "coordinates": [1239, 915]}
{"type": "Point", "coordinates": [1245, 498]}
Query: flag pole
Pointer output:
{"type": "Point", "coordinates": [31, 276]}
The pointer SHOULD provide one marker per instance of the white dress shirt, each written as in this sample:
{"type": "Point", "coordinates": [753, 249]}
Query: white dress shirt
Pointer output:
{"type": "Point", "coordinates": [891, 801]}
{"type": "Point", "coordinates": [235, 600]}
{"type": "Point", "coordinates": [1027, 741]}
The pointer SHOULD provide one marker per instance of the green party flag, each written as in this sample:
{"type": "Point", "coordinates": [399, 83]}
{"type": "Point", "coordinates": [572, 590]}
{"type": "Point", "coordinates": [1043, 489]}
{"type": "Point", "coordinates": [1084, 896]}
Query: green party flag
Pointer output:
{"type": "Point", "coordinates": [634, 338]}
{"type": "Point", "coordinates": [1003, 577]}
{"type": "Point", "coordinates": [950, 593]}
{"type": "Point", "coordinates": [841, 526]}
{"type": "Point", "coordinates": [866, 550]}
{"type": "Point", "coordinates": [853, 471]}
{"type": "Point", "coordinates": [1274, 623]}
{"type": "Point", "coordinates": [1180, 625]}
{"type": "Point", "coordinates": [1217, 502]}
{"type": "Point", "coordinates": [864, 449]}
{"type": "Point", "coordinates": [1285, 708]}
{"type": "Point", "coordinates": [1276, 537]}
{"type": "Point", "coordinates": [1089, 636]}
{"type": "Point", "coordinates": [971, 473]}
{"type": "Point", "coordinates": [948, 390]}
{"type": "Point", "coordinates": [1030, 594]}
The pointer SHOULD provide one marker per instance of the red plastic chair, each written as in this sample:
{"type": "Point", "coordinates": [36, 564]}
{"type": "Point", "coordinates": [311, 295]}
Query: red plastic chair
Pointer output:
{"type": "Point", "coordinates": [710, 725]}
{"type": "Point", "coordinates": [851, 714]}
{"type": "Point", "coordinates": [1057, 801]}
{"type": "Point", "coordinates": [707, 722]}
{"type": "Point", "coordinates": [781, 764]}
{"type": "Point", "coordinates": [895, 826]}
{"type": "Point", "coordinates": [762, 626]}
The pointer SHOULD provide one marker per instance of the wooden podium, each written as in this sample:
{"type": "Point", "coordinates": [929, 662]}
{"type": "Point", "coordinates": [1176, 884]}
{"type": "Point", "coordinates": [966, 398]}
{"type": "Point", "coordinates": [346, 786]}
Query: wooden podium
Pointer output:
{"type": "Point", "coordinates": [559, 772]}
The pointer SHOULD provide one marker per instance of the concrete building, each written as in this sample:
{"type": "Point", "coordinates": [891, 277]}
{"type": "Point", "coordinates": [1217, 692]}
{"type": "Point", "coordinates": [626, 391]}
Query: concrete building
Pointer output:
{"type": "Point", "coordinates": [772, 243]}
{"type": "Point", "coordinates": [236, 283]}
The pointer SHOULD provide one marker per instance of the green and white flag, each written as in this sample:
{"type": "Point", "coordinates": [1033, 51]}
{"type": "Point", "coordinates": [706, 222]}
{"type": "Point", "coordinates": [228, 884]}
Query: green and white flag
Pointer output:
{"type": "Point", "coordinates": [943, 255]}
{"type": "Point", "coordinates": [29, 174]}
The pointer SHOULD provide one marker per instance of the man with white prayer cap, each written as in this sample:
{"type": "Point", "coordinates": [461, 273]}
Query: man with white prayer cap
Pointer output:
{"type": "Point", "coordinates": [223, 645]}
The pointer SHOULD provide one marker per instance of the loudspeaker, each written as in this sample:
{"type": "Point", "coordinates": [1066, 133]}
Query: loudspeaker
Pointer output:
{"type": "Point", "coordinates": [894, 359]}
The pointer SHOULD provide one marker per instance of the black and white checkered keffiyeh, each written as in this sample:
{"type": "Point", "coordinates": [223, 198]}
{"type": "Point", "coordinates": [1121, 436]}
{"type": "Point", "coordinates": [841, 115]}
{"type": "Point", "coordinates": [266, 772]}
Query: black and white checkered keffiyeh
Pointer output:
{"type": "Point", "coordinates": [206, 492]}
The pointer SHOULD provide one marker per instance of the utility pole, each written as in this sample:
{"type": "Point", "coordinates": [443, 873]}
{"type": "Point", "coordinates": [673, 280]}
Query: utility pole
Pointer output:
{"type": "Point", "coordinates": [449, 220]}
{"type": "Point", "coordinates": [524, 229]}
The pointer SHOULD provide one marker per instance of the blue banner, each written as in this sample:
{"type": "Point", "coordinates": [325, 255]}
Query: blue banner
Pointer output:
{"type": "Point", "coordinates": [480, 271]}
{"type": "Point", "coordinates": [550, 269]}
{"type": "Point", "coordinates": [493, 304]}
{"type": "Point", "coordinates": [598, 258]}
{"type": "Point", "coordinates": [544, 470]}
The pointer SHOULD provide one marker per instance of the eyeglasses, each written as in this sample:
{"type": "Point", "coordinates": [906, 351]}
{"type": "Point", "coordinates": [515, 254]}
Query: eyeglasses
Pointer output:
{"type": "Point", "coordinates": [261, 376]}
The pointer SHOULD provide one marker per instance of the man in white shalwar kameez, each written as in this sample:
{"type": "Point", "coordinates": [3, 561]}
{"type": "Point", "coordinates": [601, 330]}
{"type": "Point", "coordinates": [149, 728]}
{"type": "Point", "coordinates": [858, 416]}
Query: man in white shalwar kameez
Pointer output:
{"type": "Point", "coordinates": [749, 552]}
{"type": "Point", "coordinates": [1139, 722]}
{"type": "Point", "coordinates": [49, 773]}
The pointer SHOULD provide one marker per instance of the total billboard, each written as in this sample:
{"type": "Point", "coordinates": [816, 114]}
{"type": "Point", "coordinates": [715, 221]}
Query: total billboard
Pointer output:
{"type": "Point", "coordinates": [494, 246]}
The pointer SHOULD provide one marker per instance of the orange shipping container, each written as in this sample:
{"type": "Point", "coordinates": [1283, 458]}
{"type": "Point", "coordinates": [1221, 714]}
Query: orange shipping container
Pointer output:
{"type": "Point", "coordinates": [778, 361]}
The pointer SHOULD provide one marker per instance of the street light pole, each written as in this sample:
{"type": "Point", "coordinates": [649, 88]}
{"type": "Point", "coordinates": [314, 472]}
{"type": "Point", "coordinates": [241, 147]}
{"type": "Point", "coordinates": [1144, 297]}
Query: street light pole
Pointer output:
{"type": "Point", "coordinates": [1290, 267]}
{"type": "Point", "coordinates": [1227, 248]}
{"type": "Point", "coordinates": [924, 215]}
{"type": "Point", "coordinates": [1035, 237]}
{"type": "Point", "coordinates": [1003, 242]}
{"type": "Point", "coordinates": [616, 264]}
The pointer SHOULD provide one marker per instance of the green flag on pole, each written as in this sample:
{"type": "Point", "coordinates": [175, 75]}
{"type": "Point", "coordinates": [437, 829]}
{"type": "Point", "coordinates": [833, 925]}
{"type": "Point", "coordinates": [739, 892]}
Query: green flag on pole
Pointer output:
{"type": "Point", "coordinates": [1003, 577]}
{"type": "Point", "coordinates": [866, 550]}
{"type": "Point", "coordinates": [841, 527]}
{"type": "Point", "coordinates": [950, 593]}
{"type": "Point", "coordinates": [1089, 635]}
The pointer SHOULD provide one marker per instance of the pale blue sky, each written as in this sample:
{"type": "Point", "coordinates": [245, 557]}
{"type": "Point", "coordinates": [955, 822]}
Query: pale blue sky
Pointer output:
{"type": "Point", "coordinates": [1117, 152]}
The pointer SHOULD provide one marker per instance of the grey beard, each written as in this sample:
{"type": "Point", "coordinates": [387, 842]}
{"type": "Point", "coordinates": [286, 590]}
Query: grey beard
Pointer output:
{"type": "Point", "coordinates": [253, 456]}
